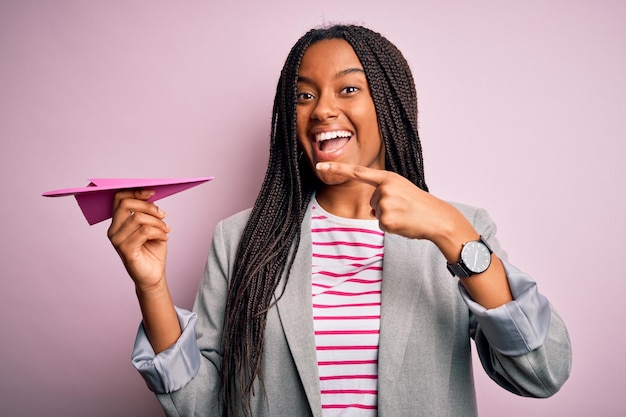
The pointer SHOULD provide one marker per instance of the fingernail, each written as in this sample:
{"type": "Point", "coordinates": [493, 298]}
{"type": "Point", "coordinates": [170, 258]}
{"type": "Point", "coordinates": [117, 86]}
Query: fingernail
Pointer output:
{"type": "Point", "coordinates": [147, 193]}
{"type": "Point", "coordinates": [322, 166]}
{"type": "Point", "coordinates": [161, 213]}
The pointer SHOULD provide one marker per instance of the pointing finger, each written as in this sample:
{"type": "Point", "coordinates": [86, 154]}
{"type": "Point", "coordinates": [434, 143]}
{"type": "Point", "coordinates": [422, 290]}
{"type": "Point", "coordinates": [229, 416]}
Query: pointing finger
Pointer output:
{"type": "Point", "coordinates": [370, 176]}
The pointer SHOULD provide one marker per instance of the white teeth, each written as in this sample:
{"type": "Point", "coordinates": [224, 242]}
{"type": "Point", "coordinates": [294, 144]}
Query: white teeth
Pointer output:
{"type": "Point", "coordinates": [320, 137]}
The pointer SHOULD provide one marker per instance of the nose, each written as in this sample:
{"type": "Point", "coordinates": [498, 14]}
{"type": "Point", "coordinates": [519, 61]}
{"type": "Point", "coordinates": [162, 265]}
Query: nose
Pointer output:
{"type": "Point", "coordinates": [325, 108]}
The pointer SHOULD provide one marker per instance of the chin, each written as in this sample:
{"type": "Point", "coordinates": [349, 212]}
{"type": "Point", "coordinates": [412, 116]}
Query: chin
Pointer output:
{"type": "Point", "coordinates": [329, 179]}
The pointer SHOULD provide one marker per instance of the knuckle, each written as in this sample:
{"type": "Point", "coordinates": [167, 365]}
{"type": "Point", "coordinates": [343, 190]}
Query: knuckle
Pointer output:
{"type": "Point", "coordinates": [144, 230]}
{"type": "Point", "coordinates": [113, 236]}
{"type": "Point", "coordinates": [358, 170]}
{"type": "Point", "coordinates": [118, 241]}
{"type": "Point", "coordinates": [388, 221]}
{"type": "Point", "coordinates": [115, 242]}
{"type": "Point", "coordinates": [117, 197]}
{"type": "Point", "coordinates": [124, 249]}
{"type": "Point", "coordinates": [120, 197]}
{"type": "Point", "coordinates": [125, 204]}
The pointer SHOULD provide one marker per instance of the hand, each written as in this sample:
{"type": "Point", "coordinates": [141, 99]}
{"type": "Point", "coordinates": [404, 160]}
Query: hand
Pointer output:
{"type": "Point", "coordinates": [139, 235]}
{"type": "Point", "coordinates": [403, 208]}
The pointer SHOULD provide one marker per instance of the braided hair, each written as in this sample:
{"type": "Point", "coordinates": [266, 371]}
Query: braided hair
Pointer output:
{"type": "Point", "coordinates": [271, 237]}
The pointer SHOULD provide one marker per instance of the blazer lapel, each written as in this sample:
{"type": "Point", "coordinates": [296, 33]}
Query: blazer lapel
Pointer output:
{"type": "Point", "coordinates": [295, 310]}
{"type": "Point", "coordinates": [400, 291]}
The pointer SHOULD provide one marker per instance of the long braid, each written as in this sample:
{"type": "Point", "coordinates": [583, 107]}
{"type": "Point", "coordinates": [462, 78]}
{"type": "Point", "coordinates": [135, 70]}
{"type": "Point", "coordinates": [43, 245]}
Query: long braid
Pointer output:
{"type": "Point", "coordinates": [271, 237]}
{"type": "Point", "coordinates": [393, 91]}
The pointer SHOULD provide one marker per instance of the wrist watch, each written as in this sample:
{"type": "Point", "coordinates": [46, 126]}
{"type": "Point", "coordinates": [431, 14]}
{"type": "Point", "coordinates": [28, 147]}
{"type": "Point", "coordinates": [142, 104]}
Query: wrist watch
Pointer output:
{"type": "Point", "coordinates": [475, 259]}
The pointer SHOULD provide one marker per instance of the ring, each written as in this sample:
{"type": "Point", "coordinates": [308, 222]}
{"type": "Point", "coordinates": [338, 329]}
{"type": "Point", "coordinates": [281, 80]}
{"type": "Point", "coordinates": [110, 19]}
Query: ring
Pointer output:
{"type": "Point", "coordinates": [132, 213]}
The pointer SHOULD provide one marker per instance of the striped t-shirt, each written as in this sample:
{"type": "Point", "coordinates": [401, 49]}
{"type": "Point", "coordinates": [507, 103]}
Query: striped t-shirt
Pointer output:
{"type": "Point", "coordinates": [346, 285]}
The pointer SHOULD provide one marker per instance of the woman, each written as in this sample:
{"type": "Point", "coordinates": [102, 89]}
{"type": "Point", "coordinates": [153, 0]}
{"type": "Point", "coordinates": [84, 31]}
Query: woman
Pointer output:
{"type": "Point", "coordinates": [336, 293]}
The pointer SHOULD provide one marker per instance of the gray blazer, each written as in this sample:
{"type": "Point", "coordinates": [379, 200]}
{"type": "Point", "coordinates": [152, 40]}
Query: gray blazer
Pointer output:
{"type": "Point", "coordinates": [424, 365]}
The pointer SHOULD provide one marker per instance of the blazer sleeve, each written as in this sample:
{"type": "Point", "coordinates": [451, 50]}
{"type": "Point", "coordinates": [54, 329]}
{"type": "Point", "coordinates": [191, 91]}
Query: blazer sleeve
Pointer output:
{"type": "Point", "coordinates": [173, 368]}
{"type": "Point", "coordinates": [523, 345]}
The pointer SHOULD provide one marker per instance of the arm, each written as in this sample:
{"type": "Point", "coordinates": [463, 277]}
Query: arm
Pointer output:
{"type": "Point", "coordinates": [185, 376]}
{"type": "Point", "coordinates": [139, 236]}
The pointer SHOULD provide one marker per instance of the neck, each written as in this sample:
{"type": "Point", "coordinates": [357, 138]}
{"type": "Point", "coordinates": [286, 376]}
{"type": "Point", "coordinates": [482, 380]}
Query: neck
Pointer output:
{"type": "Point", "coordinates": [350, 200]}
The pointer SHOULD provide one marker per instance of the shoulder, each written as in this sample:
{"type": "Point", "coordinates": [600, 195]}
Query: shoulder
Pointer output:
{"type": "Point", "coordinates": [233, 225]}
{"type": "Point", "coordinates": [234, 220]}
{"type": "Point", "coordinates": [470, 212]}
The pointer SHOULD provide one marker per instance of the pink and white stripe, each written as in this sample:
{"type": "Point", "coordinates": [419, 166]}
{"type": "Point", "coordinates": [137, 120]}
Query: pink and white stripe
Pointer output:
{"type": "Point", "coordinates": [346, 284]}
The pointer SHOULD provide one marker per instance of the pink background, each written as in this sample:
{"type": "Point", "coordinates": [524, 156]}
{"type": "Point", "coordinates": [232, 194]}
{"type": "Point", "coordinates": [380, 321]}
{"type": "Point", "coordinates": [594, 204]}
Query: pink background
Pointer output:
{"type": "Point", "coordinates": [522, 111]}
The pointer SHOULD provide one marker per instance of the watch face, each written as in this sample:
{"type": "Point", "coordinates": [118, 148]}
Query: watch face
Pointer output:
{"type": "Point", "coordinates": [476, 256]}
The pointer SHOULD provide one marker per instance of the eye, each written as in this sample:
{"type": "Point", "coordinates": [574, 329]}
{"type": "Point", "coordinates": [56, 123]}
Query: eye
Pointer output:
{"type": "Point", "coordinates": [350, 90]}
{"type": "Point", "coordinates": [304, 96]}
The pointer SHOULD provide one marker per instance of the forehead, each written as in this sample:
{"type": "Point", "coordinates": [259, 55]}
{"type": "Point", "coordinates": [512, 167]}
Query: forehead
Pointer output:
{"type": "Point", "coordinates": [329, 55]}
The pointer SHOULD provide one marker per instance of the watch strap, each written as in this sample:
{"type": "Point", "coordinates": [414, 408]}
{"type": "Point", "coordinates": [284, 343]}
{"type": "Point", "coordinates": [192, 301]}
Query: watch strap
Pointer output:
{"type": "Point", "coordinates": [459, 270]}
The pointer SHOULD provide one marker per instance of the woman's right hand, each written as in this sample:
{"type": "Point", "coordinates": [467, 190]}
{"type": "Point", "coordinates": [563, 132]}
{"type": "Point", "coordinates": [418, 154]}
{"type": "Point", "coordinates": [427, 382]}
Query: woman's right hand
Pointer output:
{"type": "Point", "coordinates": [139, 235]}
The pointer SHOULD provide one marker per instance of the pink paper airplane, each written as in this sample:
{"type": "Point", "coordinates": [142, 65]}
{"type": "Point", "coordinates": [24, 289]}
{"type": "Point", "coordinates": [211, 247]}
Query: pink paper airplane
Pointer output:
{"type": "Point", "coordinates": [96, 199]}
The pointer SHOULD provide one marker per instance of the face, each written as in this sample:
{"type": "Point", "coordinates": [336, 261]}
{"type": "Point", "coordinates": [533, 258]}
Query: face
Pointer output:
{"type": "Point", "coordinates": [336, 118]}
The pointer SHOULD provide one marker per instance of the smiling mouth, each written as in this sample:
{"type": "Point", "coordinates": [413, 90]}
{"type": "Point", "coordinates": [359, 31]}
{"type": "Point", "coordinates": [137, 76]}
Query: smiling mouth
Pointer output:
{"type": "Point", "coordinates": [332, 141]}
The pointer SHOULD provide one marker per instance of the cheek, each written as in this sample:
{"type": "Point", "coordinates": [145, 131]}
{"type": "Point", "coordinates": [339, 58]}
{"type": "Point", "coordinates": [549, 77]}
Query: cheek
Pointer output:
{"type": "Point", "coordinates": [302, 118]}
{"type": "Point", "coordinates": [300, 132]}
{"type": "Point", "coordinates": [368, 128]}
{"type": "Point", "coordinates": [365, 114]}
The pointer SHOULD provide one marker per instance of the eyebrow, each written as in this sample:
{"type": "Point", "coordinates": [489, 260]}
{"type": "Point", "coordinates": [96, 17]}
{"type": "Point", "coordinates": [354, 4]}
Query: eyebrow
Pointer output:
{"type": "Point", "coordinates": [338, 75]}
{"type": "Point", "coordinates": [349, 71]}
